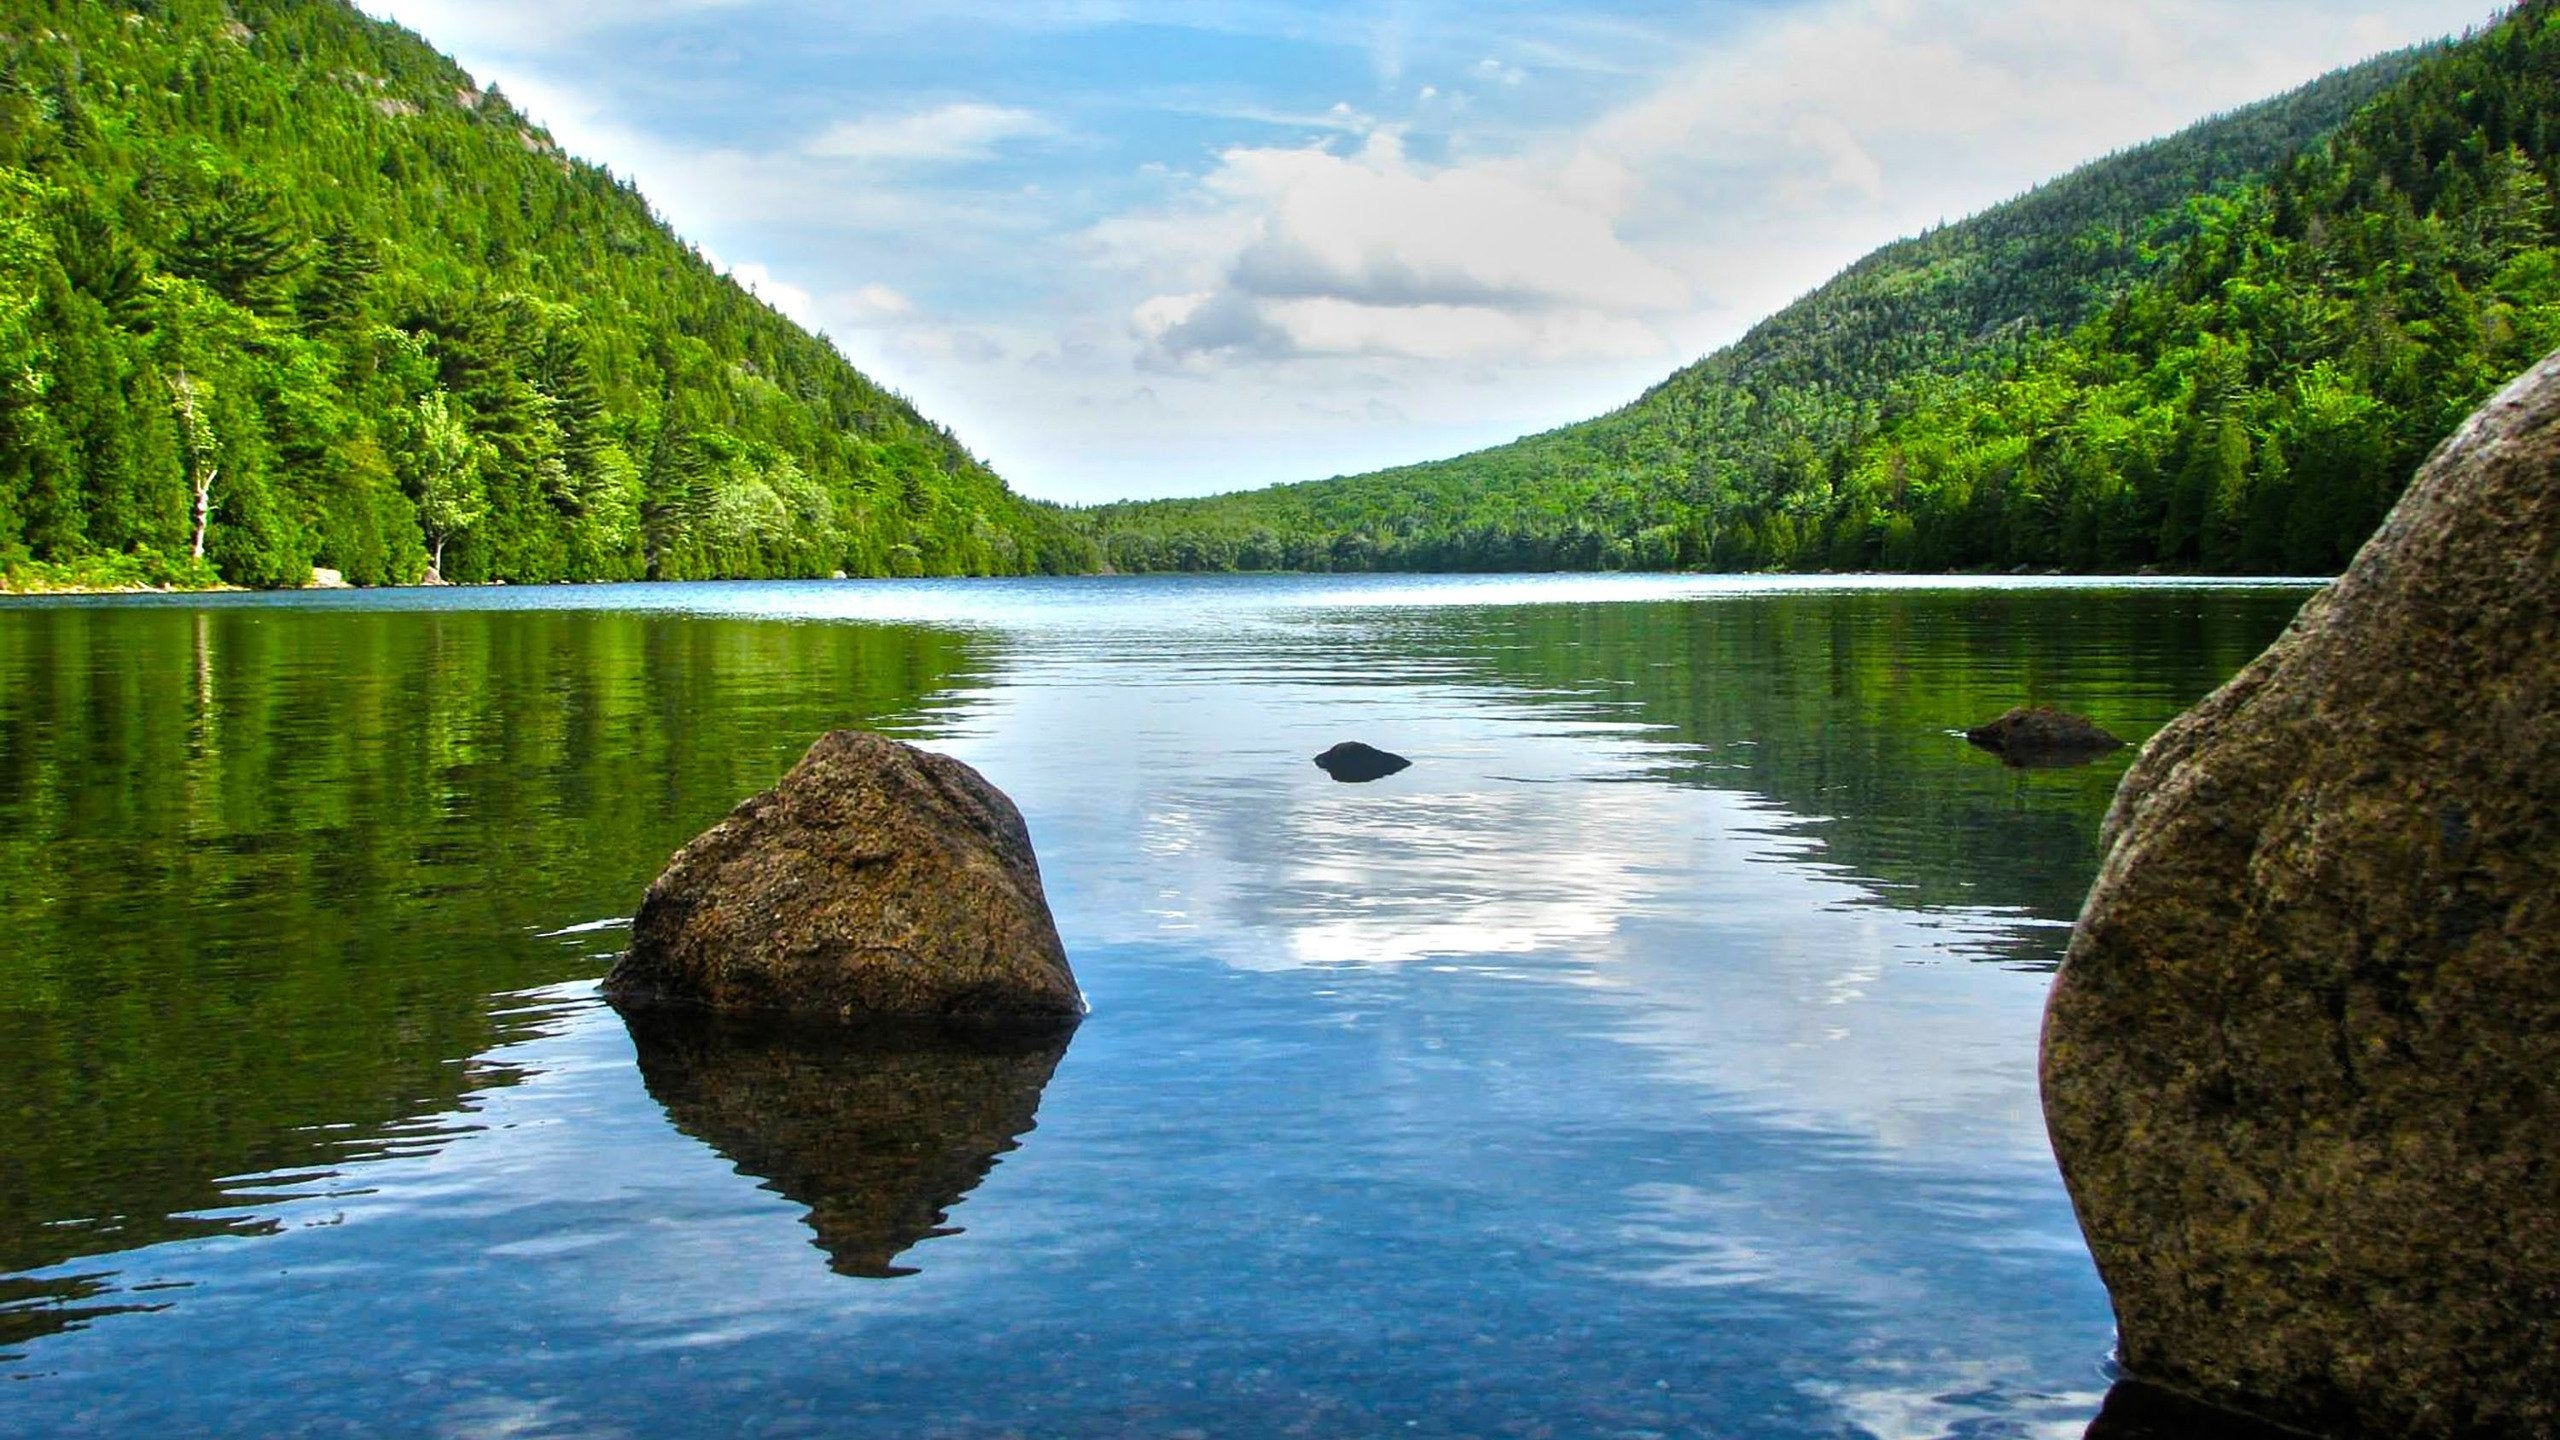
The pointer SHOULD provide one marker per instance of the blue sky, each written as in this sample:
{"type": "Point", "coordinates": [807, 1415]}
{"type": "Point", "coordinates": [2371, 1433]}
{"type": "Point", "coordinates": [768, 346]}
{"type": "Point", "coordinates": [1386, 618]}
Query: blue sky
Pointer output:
{"type": "Point", "coordinates": [1134, 247]}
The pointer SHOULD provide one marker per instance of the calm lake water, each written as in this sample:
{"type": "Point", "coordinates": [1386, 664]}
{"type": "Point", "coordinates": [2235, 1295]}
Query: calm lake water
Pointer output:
{"type": "Point", "coordinates": [1654, 1057]}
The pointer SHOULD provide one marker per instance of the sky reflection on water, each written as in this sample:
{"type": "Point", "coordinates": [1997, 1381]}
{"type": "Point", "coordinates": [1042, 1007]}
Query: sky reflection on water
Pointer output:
{"type": "Point", "coordinates": [1654, 1057]}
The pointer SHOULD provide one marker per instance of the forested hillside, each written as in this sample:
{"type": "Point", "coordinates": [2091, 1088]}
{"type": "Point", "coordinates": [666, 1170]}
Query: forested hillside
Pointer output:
{"type": "Point", "coordinates": [279, 287]}
{"type": "Point", "coordinates": [2226, 350]}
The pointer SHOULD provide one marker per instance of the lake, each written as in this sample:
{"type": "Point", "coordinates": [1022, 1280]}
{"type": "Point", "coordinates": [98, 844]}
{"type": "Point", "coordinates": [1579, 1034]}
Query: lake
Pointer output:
{"type": "Point", "coordinates": [1654, 1057]}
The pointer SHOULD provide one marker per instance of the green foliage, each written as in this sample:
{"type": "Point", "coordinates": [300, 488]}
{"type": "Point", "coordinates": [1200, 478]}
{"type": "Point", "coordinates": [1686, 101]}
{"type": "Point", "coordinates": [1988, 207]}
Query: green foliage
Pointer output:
{"type": "Point", "coordinates": [446, 459]}
{"type": "Point", "coordinates": [2224, 351]}
{"type": "Point", "coordinates": [261, 869]}
{"type": "Point", "coordinates": [110, 572]}
{"type": "Point", "coordinates": [346, 249]}
{"type": "Point", "coordinates": [237, 244]}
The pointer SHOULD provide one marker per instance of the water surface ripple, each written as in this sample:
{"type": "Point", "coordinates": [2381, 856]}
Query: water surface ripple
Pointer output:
{"type": "Point", "coordinates": [1654, 1057]}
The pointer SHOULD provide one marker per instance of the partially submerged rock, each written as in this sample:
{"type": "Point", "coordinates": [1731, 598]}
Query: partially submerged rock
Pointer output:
{"type": "Point", "coordinates": [876, 881]}
{"type": "Point", "coordinates": [2044, 736]}
{"type": "Point", "coordinates": [878, 1130]}
{"type": "Point", "coordinates": [2300, 1065]}
{"type": "Point", "coordinates": [1356, 764]}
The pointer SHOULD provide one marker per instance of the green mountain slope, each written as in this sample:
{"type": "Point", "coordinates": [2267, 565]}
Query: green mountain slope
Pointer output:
{"type": "Point", "coordinates": [2260, 404]}
{"type": "Point", "coordinates": [292, 254]}
{"type": "Point", "coordinates": [1842, 432]}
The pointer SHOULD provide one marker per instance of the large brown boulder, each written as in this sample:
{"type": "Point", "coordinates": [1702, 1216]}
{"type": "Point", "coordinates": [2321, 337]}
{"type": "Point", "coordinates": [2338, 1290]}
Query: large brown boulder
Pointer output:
{"type": "Point", "coordinates": [2299, 1066]}
{"type": "Point", "coordinates": [876, 882]}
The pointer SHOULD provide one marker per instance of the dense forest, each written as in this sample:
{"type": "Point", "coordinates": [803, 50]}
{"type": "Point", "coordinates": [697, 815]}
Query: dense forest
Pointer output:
{"type": "Point", "coordinates": [2226, 351]}
{"type": "Point", "coordinates": [280, 287]}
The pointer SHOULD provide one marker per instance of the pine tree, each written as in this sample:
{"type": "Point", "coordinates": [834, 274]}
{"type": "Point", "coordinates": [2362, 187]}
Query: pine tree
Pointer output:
{"type": "Point", "coordinates": [342, 279]}
{"type": "Point", "coordinates": [239, 245]}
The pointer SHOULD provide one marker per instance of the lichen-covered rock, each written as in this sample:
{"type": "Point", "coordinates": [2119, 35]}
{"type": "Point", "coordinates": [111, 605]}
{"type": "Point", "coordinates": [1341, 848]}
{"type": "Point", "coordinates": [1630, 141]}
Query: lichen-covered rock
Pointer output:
{"type": "Point", "coordinates": [877, 881]}
{"type": "Point", "coordinates": [2300, 1065]}
{"type": "Point", "coordinates": [2044, 736]}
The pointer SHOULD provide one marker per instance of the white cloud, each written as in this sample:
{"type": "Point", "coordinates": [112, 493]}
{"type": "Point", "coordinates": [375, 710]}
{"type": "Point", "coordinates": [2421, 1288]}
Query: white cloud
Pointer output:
{"type": "Point", "coordinates": [792, 300]}
{"type": "Point", "coordinates": [736, 196]}
{"type": "Point", "coordinates": [947, 134]}
{"type": "Point", "coordinates": [873, 304]}
{"type": "Point", "coordinates": [878, 323]}
{"type": "Point", "coordinates": [479, 25]}
{"type": "Point", "coordinates": [1339, 118]}
{"type": "Point", "coordinates": [1331, 326]}
{"type": "Point", "coordinates": [1311, 251]}
{"type": "Point", "coordinates": [1180, 329]}
{"type": "Point", "coordinates": [1764, 165]}
{"type": "Point", "coordinates": [1376, 228]}
{"type": "Point", "coordinates": [1748, 172]}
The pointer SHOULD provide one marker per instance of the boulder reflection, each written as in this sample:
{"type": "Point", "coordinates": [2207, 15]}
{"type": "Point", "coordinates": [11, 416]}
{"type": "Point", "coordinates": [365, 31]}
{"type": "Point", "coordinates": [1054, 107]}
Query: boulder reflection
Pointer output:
{"type": "Point", "coordinates": [879, 1132]}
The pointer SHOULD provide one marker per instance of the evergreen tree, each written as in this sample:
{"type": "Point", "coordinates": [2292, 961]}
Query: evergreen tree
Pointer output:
{"type": "Point", "coordinates": [239, 245]}
{"type": "Point", "coordinates": [301, 217]}
{"type": "Point", "coordinates": [342, 279]}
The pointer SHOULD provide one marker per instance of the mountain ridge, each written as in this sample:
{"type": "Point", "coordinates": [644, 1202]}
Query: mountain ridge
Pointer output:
{"type": "Point", "coordinates": [1727, 463]}
{"type": "Point", "coordinates": [410, 323]}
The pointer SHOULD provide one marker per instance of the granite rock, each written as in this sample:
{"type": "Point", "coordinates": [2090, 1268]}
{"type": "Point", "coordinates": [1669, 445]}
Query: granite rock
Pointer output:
{"type": "Point", "coordinates": [2299, 1066]}
{"type": "Point", "coordinates": [876, 881]}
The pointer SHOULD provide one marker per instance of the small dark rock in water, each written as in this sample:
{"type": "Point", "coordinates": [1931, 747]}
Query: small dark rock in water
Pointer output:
{"type": "Point", "coordinates": [2302, 1063]}
{"type": "Point", "coordinates": [876, 881]}
{"type": "Point", "coordinates": [1353, 763]}
{"type": "Point", "coordinates": [879, 1130]}
{"type": "Point", "coordinates": [2044, 736]}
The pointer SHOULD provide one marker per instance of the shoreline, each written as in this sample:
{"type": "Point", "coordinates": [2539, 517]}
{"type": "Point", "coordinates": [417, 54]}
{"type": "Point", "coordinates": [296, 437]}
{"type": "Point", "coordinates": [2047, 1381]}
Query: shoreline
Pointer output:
{"type": "Point", "coordinates": [14, 589]}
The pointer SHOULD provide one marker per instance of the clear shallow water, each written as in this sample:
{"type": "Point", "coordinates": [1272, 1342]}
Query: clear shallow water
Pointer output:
{"type": "Point", "coordinates": [1654, 1057]}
